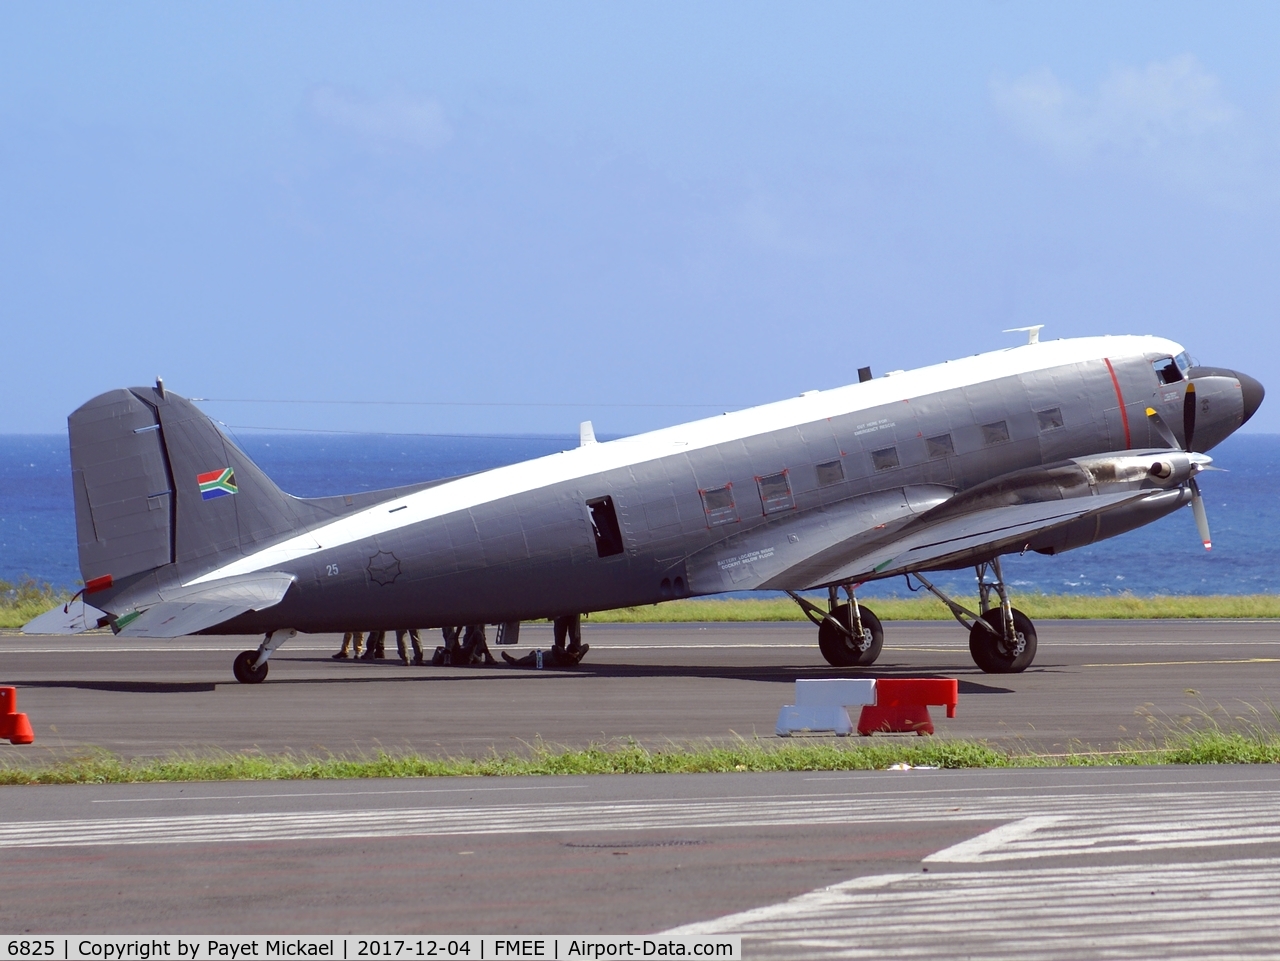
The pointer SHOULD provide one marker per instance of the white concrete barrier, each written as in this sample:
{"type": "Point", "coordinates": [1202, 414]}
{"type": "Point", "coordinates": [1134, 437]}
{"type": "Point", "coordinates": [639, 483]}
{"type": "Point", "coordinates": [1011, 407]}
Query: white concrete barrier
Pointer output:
{"type": "Point", "coordinates": [822, 705]}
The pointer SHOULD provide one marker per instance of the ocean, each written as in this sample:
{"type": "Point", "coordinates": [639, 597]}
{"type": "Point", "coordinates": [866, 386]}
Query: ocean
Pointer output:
{"type": "Point", "coordinates": [37, 522]}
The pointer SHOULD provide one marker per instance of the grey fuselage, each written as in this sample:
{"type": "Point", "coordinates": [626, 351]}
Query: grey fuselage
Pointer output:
{"type": "Point", "coordinates": [732, 508]}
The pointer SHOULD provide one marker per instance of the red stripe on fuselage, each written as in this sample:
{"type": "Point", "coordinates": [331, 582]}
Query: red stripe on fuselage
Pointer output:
{"type": "Point", "coordinates": [1124, 415]}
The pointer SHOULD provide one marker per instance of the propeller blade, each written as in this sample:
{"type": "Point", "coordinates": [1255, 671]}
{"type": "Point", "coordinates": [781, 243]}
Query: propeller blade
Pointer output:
{"type": "Point", "coordinates": [1189, 415]}
{"type": "Point", "coordinates": [1202, 518]}
{"type": "Point", "coordinates": [1161, 428]}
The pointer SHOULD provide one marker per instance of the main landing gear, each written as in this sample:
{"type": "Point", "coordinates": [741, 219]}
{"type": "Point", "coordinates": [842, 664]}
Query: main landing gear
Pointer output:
{"type": "Point", "coordinates": [250, 667]}
{"type": "Point", "coordinates": [849, 635]}
{"type": "Point", "coordinates": [1002, 640]}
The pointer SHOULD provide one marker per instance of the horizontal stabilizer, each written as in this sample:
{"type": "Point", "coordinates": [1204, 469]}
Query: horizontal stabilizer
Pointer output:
{"type": "Point", "coordinates": [73, 618]}
{"type": "Point", "coordinates": [191, 610]}
{"type": "Point", "coordinates": [179, 618]}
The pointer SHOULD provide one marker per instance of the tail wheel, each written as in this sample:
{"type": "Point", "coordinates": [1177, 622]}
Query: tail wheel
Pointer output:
{"type": "Point", "coordinates": [242, 667]}
{"type": "Point", "coordinates": [842, 650]}
{"type": "Point", "coordinates": [995, 653]}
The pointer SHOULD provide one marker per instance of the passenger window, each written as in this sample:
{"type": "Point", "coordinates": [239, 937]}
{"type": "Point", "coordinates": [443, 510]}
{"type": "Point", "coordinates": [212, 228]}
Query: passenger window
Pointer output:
{"type": "Point", "coordinates": [1050, 419]}
{"type": "Point", "coordinates": [604, 524]}
{"type": "Point", "coordinates": [830, 473]}
{"type": "Point", "coordinates": [775, 493]}
{"type": "Point", "coordinates": [718, 503]}
{"type": "Point", "coordinates": [884, 459]}
{"type": "Point", "coordinates": [939, 446]}
{"type": "Point", "coordinates": [996, 433]}
{"type": "Point", "coordinates": [1167, 371]}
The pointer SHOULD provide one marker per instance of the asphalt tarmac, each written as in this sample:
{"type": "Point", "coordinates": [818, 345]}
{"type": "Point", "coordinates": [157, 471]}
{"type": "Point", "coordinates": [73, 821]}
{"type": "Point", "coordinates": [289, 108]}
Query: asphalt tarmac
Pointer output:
{"type": "Point", "coordinates": [1058, 863]}
{"type": "Point", "coordinates": [1119, 862]}
{"type": "Point", "coordinates": [1094, 683]}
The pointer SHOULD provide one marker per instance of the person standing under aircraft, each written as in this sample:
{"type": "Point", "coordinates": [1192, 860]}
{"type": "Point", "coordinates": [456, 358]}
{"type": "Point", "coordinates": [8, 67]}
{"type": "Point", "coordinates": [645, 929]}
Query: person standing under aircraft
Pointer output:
{"type": "Point", "coordinates": [353, 640]}
{"type": "Point", "coordinates": [375, 649]}
{"type": "Point", "coordinates": [569, 627]}
{"type": "Point", "coordinates": [417, 646]}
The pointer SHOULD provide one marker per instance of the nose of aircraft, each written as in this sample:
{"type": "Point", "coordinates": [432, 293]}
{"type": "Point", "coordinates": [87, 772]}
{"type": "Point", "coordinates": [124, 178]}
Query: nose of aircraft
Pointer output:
{"type": "Point", "coordinates": [1253, 393]}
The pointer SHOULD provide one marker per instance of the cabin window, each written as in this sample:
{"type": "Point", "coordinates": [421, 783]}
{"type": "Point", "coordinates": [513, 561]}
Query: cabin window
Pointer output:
{"type": "Point", "coordinates": [939, 447]}
{"type": "Point", "coordinates": [830, 473]}
{"type": "Point", "coordinates": [1050, 419]}
{"type": "Point", "coordinates": [604, 524]}
{"type": "Point", "coordinates": [1183, 360]}
{"type": "Point", "coordinates": [718, 503]}
{"type": "Point", "coordinates": [885, 459]}
{"type": "Point", "coordinates": [775, 493]}
{"type": "Point", "coordinates": [996, 433]}
{"type": "Point", "coordinates": [1167, 370]}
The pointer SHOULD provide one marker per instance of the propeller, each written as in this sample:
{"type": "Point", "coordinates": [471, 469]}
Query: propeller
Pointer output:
{"type": "Point", "coordinates": [1199, 462]}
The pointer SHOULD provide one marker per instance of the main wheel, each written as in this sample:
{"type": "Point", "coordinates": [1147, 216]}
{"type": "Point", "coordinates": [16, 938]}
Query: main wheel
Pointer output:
{"type": "Point", "coordinates": [996, 655]}
{"type": "Point", "coordinates": [840, 649]}
{"type": "Point", "coordinates": [242, 667]}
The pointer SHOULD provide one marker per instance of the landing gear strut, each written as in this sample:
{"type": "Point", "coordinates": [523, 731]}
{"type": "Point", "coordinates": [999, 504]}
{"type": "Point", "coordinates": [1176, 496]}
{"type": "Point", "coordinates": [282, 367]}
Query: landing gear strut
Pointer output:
{"type": "Point", "coordinates": [849, 635]}
{"type": "Point", "coordinates": [1002, 640]}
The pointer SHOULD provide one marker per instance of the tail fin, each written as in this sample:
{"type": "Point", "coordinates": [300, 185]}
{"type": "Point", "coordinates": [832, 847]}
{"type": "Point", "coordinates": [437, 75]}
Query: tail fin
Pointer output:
{"type": "Point", "coordinates": [157, 483]}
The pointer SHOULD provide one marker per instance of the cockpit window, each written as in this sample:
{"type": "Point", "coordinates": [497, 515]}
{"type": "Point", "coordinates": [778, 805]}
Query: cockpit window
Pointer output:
{"type": "Point", "coordinates": [1183, 360]}
{"type": "Point", "coordinates": [1167, 370]}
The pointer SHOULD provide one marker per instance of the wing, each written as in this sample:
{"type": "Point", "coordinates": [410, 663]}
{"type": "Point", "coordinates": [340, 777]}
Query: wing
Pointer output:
{"type": "Point", "coordinates": [984, 534]}
{"type": "Point", "coordinates": [929, 527]}
{"type": "Point", "coordinates": [797, 549]}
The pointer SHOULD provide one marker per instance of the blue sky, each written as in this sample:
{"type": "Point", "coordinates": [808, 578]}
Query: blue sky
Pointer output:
{"type": "Point", "coordinates": [541, 213]}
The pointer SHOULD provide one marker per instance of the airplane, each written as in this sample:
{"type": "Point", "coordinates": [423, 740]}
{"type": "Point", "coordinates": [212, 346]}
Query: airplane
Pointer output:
{"type": "Point", "coordinates": [1045, 446]}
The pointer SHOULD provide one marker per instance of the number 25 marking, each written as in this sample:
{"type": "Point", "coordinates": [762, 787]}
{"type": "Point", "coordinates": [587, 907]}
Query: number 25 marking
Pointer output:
{"type": "Point", "coordinates": [331, 569]}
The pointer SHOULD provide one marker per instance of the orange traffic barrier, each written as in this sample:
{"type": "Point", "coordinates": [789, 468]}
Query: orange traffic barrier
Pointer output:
{"type": "Point", "coordinates": [902, 704]}
{"type": "Point", "coordinates": [13, 725]}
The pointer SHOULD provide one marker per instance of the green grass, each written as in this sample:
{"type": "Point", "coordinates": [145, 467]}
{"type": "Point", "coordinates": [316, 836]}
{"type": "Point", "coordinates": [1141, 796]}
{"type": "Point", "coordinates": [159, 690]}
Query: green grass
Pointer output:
{"type": "Point", "coordinates": [929, 608]}
{"type": "Point", "coordinates": [21, 602]}
{"type": "Point", "coordinates": [1212, 745]}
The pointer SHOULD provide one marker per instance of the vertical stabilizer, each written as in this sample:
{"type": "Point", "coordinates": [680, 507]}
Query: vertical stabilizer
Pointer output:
{"type": "Point", "coordinates": [156, 482]}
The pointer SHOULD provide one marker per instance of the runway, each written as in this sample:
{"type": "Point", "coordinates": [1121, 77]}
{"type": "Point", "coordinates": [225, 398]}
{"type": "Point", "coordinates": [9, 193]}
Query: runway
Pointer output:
{"type": "Point", "coordinates": [1021, 864]}
{"type": "Point", "coordinates": [1093, 683]}
{"type": "Point", "coordinates": [1057, 863]}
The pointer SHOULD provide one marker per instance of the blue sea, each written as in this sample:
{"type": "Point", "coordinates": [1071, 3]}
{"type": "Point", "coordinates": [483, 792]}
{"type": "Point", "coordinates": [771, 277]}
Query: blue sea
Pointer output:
{"type": "Point", "coordinates": [37, 523]}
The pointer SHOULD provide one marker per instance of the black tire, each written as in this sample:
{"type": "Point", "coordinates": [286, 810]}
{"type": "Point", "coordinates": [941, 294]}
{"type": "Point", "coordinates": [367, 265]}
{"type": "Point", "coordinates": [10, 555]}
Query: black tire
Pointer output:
{"type": "Point", "coordinates": [242, 667]}
{"type": "Point", "coordinates": [839, 648]}
{"type": "Point", "coordinates": [993, 653]}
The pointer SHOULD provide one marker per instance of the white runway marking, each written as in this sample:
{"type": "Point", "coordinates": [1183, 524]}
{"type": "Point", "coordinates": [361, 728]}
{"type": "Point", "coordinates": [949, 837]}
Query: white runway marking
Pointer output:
{"type": "Point", "coordinates": [1061, 825]}
{"type": "Point", "coordinates": [1214, 909]}
{"type": "Point", "coordinates": [1222, 909]}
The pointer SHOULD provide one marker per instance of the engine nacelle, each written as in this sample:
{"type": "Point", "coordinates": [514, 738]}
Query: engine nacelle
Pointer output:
{"type": "Point", "coordinates": [1079, 477]}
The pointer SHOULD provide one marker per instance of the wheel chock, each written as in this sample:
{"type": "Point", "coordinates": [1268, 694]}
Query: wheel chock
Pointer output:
{"type": "Point", "coordinates": [13, 725]}
{"type": "Point", "coordinates": [902, 705]}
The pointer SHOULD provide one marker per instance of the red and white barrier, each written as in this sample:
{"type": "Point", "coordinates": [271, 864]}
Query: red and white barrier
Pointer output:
{"type": "Point", "coordinates": [898, 705]}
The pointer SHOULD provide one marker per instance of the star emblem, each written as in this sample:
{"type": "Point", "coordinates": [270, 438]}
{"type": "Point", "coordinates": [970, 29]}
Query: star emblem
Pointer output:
{"type": "Point", "coordinates": [384, 568]}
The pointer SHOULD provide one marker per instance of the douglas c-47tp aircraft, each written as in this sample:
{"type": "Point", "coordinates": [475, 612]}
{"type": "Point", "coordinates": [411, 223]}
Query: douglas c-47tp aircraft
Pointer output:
{"type": "Point", "coordinates": [1043, 447]}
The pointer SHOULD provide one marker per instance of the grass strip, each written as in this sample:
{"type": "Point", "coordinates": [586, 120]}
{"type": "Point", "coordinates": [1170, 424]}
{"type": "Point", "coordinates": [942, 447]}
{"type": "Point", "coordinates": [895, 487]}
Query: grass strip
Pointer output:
{"type": "Point", "coordinates": [20, 603]}
{"type": "Point", "coordinates": [1201, 747]}
{"type": "Point", "coordinates": [929, 608]}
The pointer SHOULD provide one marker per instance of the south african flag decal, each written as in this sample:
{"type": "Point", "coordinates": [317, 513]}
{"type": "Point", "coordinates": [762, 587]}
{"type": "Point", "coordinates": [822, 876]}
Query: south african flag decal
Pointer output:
{"type": "Point", "coordinates": [217, 483]}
